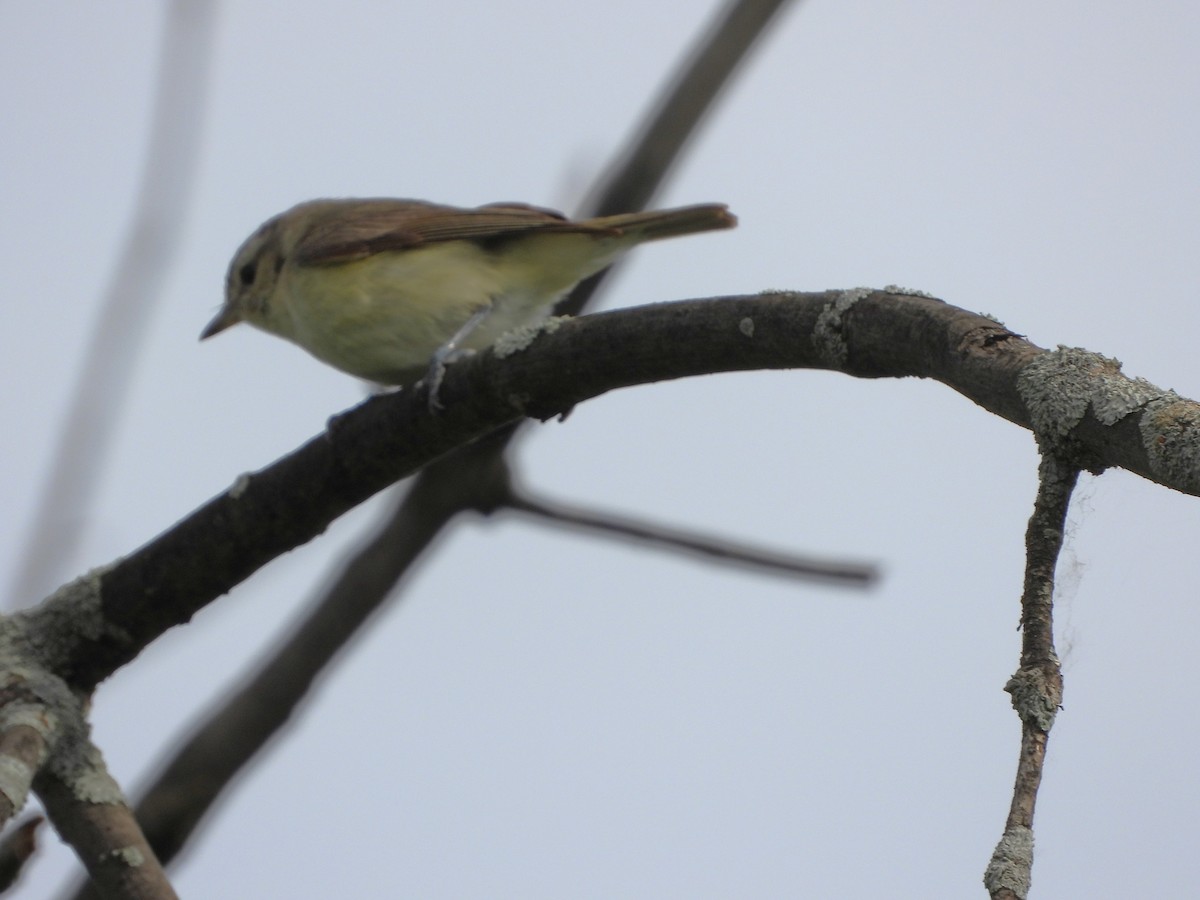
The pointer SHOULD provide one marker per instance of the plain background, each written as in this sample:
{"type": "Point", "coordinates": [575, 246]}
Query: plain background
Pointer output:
{"type": "Point", "coordinates": [546, 715]}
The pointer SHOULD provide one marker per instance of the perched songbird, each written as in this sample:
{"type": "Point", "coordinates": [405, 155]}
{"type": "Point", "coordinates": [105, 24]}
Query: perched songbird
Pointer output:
{"type": "Point", "coordinates": [386, 289]}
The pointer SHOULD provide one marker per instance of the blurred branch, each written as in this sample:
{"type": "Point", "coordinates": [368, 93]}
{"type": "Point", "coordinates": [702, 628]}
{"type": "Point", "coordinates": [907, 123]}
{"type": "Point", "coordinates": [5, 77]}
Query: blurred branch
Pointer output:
{"type": "Point", "coordinates": [15, 850]}
{"type": "Point", "coordinates": [719, 549]}
{"type": "Point", "coordinates": [1037, 687]}
{"type": "Point", "coordinates": [227, 740]}
{"type": "Point", "coordinates": [660, 141]}
{"type": "Point", "coordinates": [174, 804]}
{"type": "Point", "coordinates": [128, 305]}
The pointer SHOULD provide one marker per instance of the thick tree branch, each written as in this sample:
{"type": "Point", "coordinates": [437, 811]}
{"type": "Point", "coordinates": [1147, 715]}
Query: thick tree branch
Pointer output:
{"type": "Point", "coordinates": [120, 609]}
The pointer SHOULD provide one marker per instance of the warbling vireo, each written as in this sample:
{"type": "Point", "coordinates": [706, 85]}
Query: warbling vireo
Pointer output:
{"type": "Point", "coordinates": [383, 289]}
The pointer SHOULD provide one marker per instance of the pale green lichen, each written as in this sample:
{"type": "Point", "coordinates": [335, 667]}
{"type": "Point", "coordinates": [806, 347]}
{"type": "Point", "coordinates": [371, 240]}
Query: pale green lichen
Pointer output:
{"type": "Point", "coordinates": [520, 338]}
{"type": "Point", "coordinates": [908, 292]}
{"type": "Point", "coordinates": [130, 856]}
{"type": "Point", "coordinates": [827, 337]}
{"type": "Point", "coordinates": [1033, 697]}
{"type": "Point", "coordinates": [72, 614]}
{"type": "Point", "coordinates": [1059, 387]}
{"type": "Point", "coordinates": [746, 327]}
{"type": "Point", "coordinates": [1011, 863]}
{"type": "Point", "coordinates": [240, 485]}
{"type": "Point", "coordinates": [1170, 432]}
{"type": "Point", "coordinates": [81, 768]}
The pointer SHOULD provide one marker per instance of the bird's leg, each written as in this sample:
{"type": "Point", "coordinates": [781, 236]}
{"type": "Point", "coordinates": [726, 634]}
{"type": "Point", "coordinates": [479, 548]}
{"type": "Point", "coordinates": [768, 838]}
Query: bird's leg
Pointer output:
{"type": "Point", "coordinates": [449, 352]}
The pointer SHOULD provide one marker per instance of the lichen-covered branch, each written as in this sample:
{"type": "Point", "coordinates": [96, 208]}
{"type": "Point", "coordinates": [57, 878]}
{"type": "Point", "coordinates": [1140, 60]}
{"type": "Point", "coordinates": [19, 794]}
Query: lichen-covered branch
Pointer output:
{"type": "Point", "coordinates": [105, 619]}
{"type": "Point", "coordinates": [1037, 686]}
{"type": "Point", "coordinates": [88, 811]}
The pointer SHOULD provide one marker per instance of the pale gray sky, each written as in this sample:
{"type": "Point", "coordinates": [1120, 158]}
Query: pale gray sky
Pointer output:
{"type": "Point", "coordinates": [548, 716]}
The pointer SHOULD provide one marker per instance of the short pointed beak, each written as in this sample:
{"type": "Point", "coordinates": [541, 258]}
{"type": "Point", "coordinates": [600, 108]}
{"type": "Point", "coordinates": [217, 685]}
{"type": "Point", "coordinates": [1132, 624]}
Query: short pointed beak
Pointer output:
{"type": "Point", "coordinates": [226, 317]}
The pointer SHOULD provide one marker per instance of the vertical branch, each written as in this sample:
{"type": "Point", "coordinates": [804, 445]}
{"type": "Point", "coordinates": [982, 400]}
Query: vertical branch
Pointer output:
{"type": "Point", "coordinates": [125, 313]}
{"type": "Point", "coordinates": [1037, 687]}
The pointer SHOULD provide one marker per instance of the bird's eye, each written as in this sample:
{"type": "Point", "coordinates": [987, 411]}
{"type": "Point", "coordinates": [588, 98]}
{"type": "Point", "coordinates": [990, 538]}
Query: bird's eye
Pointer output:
{"type": "Point", "coordinates": [246, 274]}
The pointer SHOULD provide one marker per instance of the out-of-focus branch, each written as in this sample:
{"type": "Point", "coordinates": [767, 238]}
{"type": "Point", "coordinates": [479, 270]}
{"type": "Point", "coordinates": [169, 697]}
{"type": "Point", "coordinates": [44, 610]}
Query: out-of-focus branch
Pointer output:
{"type": "Point", "coordinates": [15, 849]}
{"type": "Point", "coordinates": [661, 139]}
{"type": "Point", "coordinates": [1037, 687]}
{"type": "Point", "coordinates": [721, 550]}
{"type": "Point", "coordinates": [128, 305]}
{"type": "Point", "coordinates": [226, 741]}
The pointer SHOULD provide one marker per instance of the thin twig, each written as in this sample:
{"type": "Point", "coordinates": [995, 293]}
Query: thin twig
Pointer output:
{"type": "Point", "coordinates": [721, 549]}
{"type": "Point", "coordinates": [126, 311]}
{"type": "Point", "coordinates": [1037, 687]}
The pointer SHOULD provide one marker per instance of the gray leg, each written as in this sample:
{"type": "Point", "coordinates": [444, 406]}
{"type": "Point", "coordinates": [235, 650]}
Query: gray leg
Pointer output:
{"type": "Point", "coordinates": [448, 353]}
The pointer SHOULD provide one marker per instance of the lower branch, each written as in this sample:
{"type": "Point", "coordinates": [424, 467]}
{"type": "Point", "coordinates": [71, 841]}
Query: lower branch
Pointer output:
{"type": "Point", "coordinates": [89, 813]}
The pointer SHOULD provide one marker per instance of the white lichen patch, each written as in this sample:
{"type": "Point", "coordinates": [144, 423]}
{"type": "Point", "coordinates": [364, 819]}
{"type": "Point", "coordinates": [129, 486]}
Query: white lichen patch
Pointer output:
{"type": "Point", "coordinates": [82, 769]}
{"type": "Point", "coordinates": [1011, 863]}
{"type": "Point", "coordinates": [519, 338]}
{"type": "Point", "coordinates": [746, 327]}
{"type": "Point", "coordinates": [827, 334]}
{"type": "Point", "coordinates": [1170, 432]}
{"type": "Point", "coordinates": [908, 292]}
{"type": "Point", "coordinates": [1033, 698]}
{"type": "Point", "coordinates": [73, 612]}
{"type": "Point", "coordinates": [130, 856]}
{"type": "Point", "coordinates": [240, 485]}
{"type": "Point", "coordinates": [1059, 387]}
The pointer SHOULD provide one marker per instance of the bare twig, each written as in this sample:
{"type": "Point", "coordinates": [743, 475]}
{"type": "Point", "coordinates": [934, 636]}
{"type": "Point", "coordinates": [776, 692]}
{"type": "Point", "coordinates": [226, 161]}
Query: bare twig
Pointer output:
{"type": "Point", "coordinates": [1037, 687]}
{"type": "Point", "coordinates": [126, 311]}
{"type": "Point", "coordinates": [720, 549]}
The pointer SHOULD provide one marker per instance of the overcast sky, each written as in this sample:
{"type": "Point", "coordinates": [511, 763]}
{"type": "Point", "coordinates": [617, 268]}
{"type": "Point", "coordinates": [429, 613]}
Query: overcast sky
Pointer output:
{"type": "Point", "coordinates": [549, 716]}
